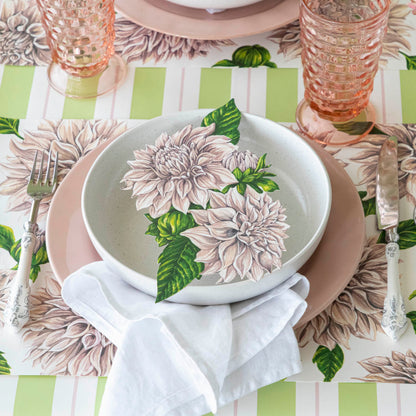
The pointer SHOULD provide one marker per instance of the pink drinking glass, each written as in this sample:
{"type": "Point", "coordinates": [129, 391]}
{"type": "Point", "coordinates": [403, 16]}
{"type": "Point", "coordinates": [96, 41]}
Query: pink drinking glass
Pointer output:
{"type": "Point", "coordinates": [341, 46]}
{"type": "Point", "coordinates": [80, 34]}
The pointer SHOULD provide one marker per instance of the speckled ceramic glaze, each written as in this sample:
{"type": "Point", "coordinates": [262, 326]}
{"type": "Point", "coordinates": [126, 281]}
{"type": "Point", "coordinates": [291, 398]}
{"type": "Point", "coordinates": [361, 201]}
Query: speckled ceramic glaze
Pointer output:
{"type": "Point", "coordinates": [117, 229]}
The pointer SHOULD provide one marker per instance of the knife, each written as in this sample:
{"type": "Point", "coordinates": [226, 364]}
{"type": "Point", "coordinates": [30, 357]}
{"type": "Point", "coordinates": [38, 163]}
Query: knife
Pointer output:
{"type": "Point", "coordinates": [394, 321]}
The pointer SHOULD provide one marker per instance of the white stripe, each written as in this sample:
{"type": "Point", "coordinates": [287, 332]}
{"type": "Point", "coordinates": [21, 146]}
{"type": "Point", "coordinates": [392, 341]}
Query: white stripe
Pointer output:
{"type": "Point", "coordinates": [258, 89]}
{"type": "Point", "coordinates": [38, 93]}
{"type": "Point", "coordinates": [55, 105]}
{"type": "Point", "coordinates": [239, 80]}
{"type": "Point", "coordinates": [1, 72]}
{"type": "Point", "coordinates": [62, 397]}
{"type": "Point", "coordinates": [305, 399]}
{"type": "Point", "coordinates": [86, 393]}
{"type": "Point", "coordinates": [247, 405]}
{"type": "Point", "coordinates": [376, 97]}
{"type": "Point", "coordinates": [393, 96]}
{"type": "Point", "coordinates": [386, 399]}
{"type": "Point", "coordinates": [407, 399]}
{"type": "Point", "coordinates": [227, 410]}
{"type": "Point", "coordinates": [103, 106]}
{"type": "Point", "coordinates": [328, 399]}
{"type": "Point", "coordinates": [172, 92]}
{"type": "Point", "coordinates": [191, 85]}
{"type": "Point", "coordinates": [8, 385]}
{"type": "Point", "coordinates": [301, 86]}
{"type": "Point", "coordinates": [124, 95]}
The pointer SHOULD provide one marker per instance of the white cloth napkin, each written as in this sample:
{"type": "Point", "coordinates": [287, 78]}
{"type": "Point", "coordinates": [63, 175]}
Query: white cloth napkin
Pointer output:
{"type": "Point", "coordinates": [177, 359]}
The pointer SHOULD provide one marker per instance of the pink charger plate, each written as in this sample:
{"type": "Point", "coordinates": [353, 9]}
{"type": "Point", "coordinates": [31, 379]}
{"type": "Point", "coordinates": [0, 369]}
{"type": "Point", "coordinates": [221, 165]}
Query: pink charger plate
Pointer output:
{"type": "Point", "coordinates": [173, 19]}
{"type": "Point", "coordinates": [329, 269]}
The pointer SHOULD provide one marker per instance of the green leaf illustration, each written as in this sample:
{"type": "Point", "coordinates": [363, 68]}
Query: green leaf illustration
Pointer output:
{"type": "Point", "coordinates": [38, 258]}
{"type": "Point", "coordinates": [249, 56]}
{"type": "Point", "coordinates": [412, 295]}
{"type": "Point", "coordinates": [6, 237]}
{"type": "Point", "coordinates": [328, 361]}
{"type": "Point", "coordinates": [41, 256]}
{"type": "Point", "coordinates": [255, 178]}
{"type": "Point", "coordinates": [166, 227]}
{"type": "Point", "coordinates": [412, 316]}
{"type": "Point", "coordinates": [369, 205]}
{"type": "Point", "coordinates": [173, 223]}
{"type": "Point", "coordinates": [407, 234]}
{"type": "Point", "coordinates": [227, 119]}
{"type": "Point", "coordinates": [224, 62]}
{"type": "Point", "coordinates": [177, 267]}
{"type": "Point", "coordinates": [4, 366]}
{"type": "Point", "coordinates": [34, 271]}
{"type": "Point", "coordinates": [410, 61]}
{"type": "Point", "coordinates": [10, 126]}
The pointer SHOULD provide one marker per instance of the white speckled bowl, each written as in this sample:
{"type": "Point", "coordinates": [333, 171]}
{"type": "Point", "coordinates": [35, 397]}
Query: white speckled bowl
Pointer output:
{"type": "Point", "coordinates": [214, 4]}
{"type": "Point", "coordinates": [117, 230]}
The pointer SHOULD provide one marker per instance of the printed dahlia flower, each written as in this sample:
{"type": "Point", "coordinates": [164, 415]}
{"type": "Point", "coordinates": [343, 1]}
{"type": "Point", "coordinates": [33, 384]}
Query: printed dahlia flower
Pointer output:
{"type": "Point", "coordinates": [179, 170]}
{"type": "Point", "coordinates": [368, 158]}
{"type": "Point", "coordinates": [358, 309]}
{"type": "Point", "coordinates": [239, 235]}
{"type": "Point", "coordinates": [134, 43]}
{"type": "Point", "coordinates": [22, 38]}
{"type": "Point", "coordinates": [242, 160]}
{"type": "Point", "coordinates": [62, 342]}
{"type": "Point", "coordinates": [73, 139]}
{"type": "Point", "coordinates": [400, 368]}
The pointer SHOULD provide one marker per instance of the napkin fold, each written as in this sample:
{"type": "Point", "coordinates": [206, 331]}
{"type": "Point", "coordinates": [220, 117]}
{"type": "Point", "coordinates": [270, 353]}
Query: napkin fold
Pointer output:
{"type": "Point", "coordinates": [178, 359]}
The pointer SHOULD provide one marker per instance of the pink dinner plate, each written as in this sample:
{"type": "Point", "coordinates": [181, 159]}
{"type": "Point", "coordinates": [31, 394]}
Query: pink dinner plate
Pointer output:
{"type": "Point", "coordinates": [173, 19]}
{"type": "Point", "coordinates": [329, 269]}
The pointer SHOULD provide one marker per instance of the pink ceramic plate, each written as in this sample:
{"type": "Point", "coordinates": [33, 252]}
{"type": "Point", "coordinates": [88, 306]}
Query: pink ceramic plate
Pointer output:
{"type": "Point", "coordinates": [329, 269]}
{"type": "Point", "coordinates": [173, 19]}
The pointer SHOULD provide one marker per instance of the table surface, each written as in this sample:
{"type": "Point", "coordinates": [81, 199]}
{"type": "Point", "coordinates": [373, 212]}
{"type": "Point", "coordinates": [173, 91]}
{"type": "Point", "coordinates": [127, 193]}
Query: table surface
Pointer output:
{"type": "Point", "coordinates": [52, 369]}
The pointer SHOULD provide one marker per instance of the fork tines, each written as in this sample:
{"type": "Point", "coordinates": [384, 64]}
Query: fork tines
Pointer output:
{"type": "Point", "coordinates": [48, 169]}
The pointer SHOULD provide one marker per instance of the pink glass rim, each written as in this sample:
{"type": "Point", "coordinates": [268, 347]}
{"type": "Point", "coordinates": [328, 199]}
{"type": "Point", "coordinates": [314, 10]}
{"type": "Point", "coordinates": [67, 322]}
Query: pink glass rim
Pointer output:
{"type": "Point", "coordinates": [89, 4]}
{"type": "Point", "coordinates": [365, 22]}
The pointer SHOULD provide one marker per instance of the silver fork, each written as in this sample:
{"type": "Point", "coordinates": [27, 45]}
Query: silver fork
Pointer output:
{"type": "Point", "coordinates": [16, 313]}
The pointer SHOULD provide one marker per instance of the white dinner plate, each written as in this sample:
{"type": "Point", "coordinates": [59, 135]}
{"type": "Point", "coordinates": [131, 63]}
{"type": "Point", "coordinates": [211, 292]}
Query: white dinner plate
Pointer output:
{"type": "Point", "coordinates": [117, 229]}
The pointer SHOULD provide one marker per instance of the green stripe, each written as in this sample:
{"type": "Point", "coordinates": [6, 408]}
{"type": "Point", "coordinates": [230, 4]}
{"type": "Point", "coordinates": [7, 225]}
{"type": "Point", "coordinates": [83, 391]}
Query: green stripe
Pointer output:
{"type": "Point", "coordinates": [282, 94]}
{"type": "Point", "coordinates": [81, 108]}
{"type": "Point", "coordinates": [148, 90]}
{"type": "Point", "coordinates": [278, 399]}
{"type": "Point", "coordinates": [15, 88]}
{"type": "Point", "coordinates": [408, 93]}
{"type": "Point", "coordinates": [34, 396]}
{"type": "Point", "coordinates": [99, 395]}
{"type": "Point", "coordinates": [215, 87]}
{"type": "Point", "coordinates": [357, 399]}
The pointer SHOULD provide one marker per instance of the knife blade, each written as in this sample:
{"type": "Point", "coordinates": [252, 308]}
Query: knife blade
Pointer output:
{"type": "Point", "coordinates": [394, 320]}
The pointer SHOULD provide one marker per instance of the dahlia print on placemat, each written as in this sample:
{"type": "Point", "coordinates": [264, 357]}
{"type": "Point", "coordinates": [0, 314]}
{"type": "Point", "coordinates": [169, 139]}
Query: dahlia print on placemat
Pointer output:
{"type": "Point", "coordinates": [73, 139]}
{"type": "Point", "coordinates": [399, 368]}
{"type": "Point", "coordinates": [208, 204]}
{"type": "Point", "coordinates": [370, 150]}
{"type": "Point", "coordinates": [138, 43]}
{"type": "Point", "coordinates": [396, 38]}
{"type": "Point", "coordinates": [358, 309]}
{"type": "Point", "coordinates": [62, 342]}
{"type": "Point", "coordinates": [22, 38]}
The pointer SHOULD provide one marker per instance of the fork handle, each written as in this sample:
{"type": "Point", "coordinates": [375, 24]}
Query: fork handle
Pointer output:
{"type": "Point", "coordinates": [16, 313]}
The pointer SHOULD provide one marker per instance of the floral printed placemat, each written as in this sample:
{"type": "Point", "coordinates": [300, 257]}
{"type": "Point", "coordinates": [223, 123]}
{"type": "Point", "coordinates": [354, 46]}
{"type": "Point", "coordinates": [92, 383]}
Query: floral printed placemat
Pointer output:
{"type": "Point", "coordinates": [22, 42]}
{"type": "Point", "coordinates": [343, 343]}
